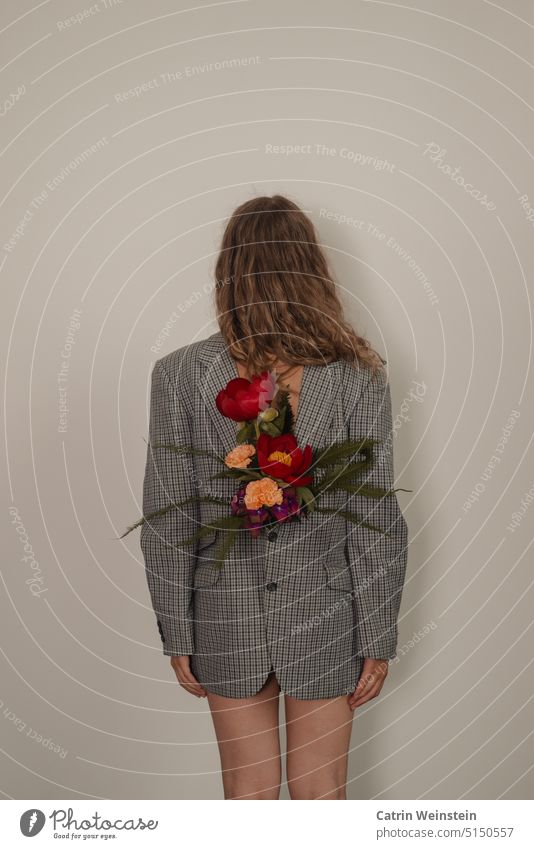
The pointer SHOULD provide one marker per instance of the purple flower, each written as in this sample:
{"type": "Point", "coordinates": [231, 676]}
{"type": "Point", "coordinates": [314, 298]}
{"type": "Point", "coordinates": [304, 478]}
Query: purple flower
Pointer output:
{"type": "Point", "coordinates": [255, 519]}
{"type": "Point", "coordinates": [237, 503]}
{"type": "Point", "coordinates": [289, 506]}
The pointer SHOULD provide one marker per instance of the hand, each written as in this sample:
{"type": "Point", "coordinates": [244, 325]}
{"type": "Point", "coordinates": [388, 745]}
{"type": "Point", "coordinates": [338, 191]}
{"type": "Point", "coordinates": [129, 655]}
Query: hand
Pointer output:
{"type": "Point", "coordinates": [182, 667]}
{"type": "Point", "coordinates": [371, 681]}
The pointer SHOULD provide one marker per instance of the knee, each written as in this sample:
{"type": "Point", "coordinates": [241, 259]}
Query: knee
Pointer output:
{"type": "Point", "coordinates": [238, 790]}
{"type": "Point", "coordinates": [246, 786]}
{"type": "Point", "coordinates": [308, 788]}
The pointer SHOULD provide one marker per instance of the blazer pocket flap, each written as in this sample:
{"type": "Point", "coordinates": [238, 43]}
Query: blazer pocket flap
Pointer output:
{"type": "Point", "coordinates": [206, 574]}
{"type": "Point", "coordinates": [207, 570]}
{"type": "Point", "coordinates": [338, 577]}
{"type": "Point", "coordinates": [207, 539]}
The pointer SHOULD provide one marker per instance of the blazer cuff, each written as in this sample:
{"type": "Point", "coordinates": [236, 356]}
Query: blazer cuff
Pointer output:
{"type": "Point", "coordinates": [179, 650]}
{"type": "Point", "coordinates": [180, 641]}
{"type": "Point", "coordinates": [380, 644]}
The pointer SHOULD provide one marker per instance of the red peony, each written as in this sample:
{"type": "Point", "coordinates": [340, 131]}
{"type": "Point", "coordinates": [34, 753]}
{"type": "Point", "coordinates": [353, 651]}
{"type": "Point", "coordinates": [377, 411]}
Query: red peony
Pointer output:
{"type": "Point", "coordinates": [280, 457]}
{"type": "Point", "coordinates": [244, 399]}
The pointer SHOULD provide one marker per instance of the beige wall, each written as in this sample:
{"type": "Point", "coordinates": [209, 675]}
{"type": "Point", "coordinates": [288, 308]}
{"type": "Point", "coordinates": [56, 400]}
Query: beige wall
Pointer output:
{"type": "Point", "coordinates": [112, 210]}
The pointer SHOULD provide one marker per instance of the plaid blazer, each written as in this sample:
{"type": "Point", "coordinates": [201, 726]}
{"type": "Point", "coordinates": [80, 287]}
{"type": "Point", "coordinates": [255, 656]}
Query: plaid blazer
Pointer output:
{"type": "Point", "coordinates": [311, 599]}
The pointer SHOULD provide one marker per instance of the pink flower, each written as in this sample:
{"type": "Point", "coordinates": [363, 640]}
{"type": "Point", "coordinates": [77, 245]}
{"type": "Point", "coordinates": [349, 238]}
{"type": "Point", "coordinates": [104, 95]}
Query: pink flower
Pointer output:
{"type": "Point", "coordinates": [268, 388]}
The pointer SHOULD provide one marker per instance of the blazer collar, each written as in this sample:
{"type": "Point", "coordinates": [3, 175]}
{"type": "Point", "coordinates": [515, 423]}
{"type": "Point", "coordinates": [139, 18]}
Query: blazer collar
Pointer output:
{"type": "Point", "coordinates": [320, 388]}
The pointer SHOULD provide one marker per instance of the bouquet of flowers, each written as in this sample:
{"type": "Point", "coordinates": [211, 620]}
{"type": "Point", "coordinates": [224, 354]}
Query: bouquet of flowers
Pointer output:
{"type": "Point", "coordinates": [277, 481]}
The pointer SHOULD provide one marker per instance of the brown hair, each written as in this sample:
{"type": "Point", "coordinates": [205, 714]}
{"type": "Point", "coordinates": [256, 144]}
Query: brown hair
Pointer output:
{"type": "Point", "coordinates": [275, 297]}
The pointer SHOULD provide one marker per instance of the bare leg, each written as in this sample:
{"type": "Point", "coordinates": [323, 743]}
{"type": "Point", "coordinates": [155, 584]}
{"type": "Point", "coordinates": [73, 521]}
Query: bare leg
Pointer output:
{"type": "Point", "coordinates": [318, 738]}
{"type": "Point", "coordinates": [249, 742]}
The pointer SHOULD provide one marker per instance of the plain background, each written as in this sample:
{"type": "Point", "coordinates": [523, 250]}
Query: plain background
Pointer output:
{"type": "Point", "coordinates": [113, 206]}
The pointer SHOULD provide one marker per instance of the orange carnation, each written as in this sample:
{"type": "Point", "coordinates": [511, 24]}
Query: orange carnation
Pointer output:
{"type": "Point", "coordinates": [262, 493]}
{"type": "Point", "coordinates": [240, 457]}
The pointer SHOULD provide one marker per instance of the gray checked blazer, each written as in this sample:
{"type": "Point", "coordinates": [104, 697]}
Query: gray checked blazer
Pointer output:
{"type": "Point", "coordinates": [315, 597]}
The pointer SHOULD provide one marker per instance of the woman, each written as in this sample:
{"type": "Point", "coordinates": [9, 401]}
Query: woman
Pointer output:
{"type": "Point", "coordinates": [310, 610]}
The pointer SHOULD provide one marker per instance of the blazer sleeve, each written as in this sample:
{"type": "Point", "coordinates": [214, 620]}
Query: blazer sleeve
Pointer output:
{"type": "Point", "coordinates": [378, 563]}
{"type": "Point", "coordinates": [168, 478]}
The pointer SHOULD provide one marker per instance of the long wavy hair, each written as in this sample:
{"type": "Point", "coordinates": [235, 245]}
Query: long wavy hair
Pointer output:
{"type": "Point", "coordinates": [275, 298]}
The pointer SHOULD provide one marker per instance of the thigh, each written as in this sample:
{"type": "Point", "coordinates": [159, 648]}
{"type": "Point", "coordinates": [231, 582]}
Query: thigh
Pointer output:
{"type": "Point", "coordinates": [249, 743]}
{"type": "Point", "coordinates": [318, 739]}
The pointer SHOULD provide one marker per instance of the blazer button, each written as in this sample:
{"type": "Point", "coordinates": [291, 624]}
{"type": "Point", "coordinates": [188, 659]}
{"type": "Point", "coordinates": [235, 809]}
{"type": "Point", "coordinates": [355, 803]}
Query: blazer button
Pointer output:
{"type": "Point", "coordinates": [271, 586]}
{"type": "Point", "coordinates": [272, 535]}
